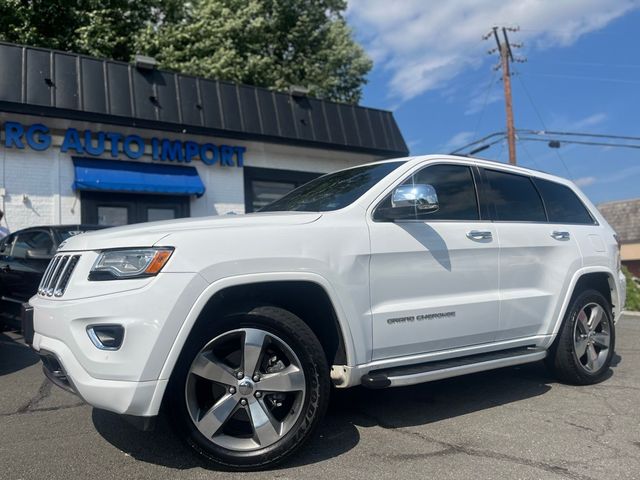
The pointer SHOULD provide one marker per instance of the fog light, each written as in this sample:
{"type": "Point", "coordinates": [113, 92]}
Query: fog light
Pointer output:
{"type": "Point", "coordinates": [106, 337]}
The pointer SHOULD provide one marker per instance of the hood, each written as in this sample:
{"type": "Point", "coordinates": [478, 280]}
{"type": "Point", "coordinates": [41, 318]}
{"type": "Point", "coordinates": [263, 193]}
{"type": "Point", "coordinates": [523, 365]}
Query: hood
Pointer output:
{"type": "Point", "coordinates": [148, 234]}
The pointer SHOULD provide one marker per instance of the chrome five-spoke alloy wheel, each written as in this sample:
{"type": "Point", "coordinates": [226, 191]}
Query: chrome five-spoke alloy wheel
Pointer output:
{"type": "Point", "coordinates": [245, 389]}
{"type": "Point", "coordinates": [591, 337]}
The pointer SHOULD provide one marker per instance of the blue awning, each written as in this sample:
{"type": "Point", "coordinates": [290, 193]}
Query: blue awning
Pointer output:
{"type": "Point", "coordinates": [118, 176]}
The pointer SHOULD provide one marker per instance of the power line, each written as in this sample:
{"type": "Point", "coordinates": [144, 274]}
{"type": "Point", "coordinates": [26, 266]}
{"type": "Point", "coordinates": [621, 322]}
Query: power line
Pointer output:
{"type": "Point", "coordinates": [484, 104]}
{"type": "Point", "coordinates": [535, 109]}
{"type": "Point", "coordinates": [580, 134]}
{"type": "Point", "coordinates": [584, 77]}
{"type": "Point", "coordinates": [551, 135]}
{"type": "Point", "coordinates": [526, 150]}
{"type": "Point", "coordinates": [596, 64]}
{"type": "Point", "coordinates": [486, 146]}
{"type": "Point", "coordinates": [568, 31]}
{"type": "Point", "coordinates": [582, 142]}
{"type": "Point", "coordinates": [475, 142]}
{"type": "Point", "coordinates": [501, 150]}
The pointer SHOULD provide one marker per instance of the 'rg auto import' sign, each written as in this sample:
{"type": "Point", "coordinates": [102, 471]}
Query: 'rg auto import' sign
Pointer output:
{"type": "Point", "coordinates": [38, 137]}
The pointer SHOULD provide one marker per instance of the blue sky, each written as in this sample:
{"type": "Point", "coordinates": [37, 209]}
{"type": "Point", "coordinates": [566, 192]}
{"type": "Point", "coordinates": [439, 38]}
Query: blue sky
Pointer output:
{"type": "Point", "coordinates": [582, 75]}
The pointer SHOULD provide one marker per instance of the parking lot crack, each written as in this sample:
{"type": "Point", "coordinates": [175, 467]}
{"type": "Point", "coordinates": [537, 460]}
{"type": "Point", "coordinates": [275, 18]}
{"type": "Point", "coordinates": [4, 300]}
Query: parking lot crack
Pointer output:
{"type": "Point", "coordinates": [581, 427]}
{"type": "Point", "coordinates": [454, 448]}
{"type": "Point", "coordinates": [43, 392]}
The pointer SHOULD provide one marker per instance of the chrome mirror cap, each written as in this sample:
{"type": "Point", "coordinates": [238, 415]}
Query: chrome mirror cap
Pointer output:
{"type": "Point", "coordinates": [421, 196]}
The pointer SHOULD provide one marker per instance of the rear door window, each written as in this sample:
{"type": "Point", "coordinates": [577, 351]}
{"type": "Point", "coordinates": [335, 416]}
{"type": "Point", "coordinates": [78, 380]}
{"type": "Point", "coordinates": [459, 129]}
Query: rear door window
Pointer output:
{"type": "Point", "coordinates": [514, 197]}
{"type": "Point", "coordinates": [563, 206]}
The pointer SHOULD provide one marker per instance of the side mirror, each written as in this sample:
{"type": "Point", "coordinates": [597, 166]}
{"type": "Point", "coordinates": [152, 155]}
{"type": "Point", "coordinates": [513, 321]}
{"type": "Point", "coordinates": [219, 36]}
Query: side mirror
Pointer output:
{"type": "Point", "coordinates": [421, 196]}
{"type": "Point", "coordinates": [38, 254]}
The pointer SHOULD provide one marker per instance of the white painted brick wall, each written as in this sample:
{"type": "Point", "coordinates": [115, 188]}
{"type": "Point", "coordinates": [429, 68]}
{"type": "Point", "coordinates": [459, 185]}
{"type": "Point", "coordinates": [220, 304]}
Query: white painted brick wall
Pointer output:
{"type": "Point", "coordinates": [38, 185]}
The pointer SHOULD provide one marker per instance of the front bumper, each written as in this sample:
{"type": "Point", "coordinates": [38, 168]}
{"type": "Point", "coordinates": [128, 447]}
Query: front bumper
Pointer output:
{"type": "Point", "coordinates": [124, 397]}
{"type": "Point", "coordinates": [124, 381]}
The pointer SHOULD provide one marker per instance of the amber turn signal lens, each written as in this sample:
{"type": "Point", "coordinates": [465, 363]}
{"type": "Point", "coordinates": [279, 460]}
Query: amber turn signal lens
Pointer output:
{"type": "Point", "coordinates": [159, 259]}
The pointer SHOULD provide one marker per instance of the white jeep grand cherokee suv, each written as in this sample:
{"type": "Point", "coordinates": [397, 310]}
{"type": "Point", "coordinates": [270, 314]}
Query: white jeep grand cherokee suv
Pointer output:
{"type": "Point", "coordinates": [382, 275]}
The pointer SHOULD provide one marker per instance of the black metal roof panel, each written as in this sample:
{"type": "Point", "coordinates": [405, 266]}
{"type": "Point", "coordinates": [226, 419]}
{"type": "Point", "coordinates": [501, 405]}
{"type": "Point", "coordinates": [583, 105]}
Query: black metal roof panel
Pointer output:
{"type": "Point", "coordinates": [65, 85]}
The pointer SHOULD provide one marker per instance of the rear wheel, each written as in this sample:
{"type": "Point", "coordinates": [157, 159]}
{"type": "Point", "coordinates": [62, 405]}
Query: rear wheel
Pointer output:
{"type": "Point", "coordinates": [251, 390]}
{"type": "Point", "coordinates": [585, 346]}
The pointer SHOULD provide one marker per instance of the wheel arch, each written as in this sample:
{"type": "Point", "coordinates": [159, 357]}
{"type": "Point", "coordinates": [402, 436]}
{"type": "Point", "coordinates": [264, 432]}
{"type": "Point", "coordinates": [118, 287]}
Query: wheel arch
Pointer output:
{"type": "Point", "coordinates": [289, 291]}
{"type": "Point", "coordinates": [600, 279]}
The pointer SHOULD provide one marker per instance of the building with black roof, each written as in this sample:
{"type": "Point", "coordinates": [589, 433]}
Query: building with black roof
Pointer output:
{"type": "Point", "coordinates": [624, 218]}
{"type": "Point", "coordinates": [98, 141]}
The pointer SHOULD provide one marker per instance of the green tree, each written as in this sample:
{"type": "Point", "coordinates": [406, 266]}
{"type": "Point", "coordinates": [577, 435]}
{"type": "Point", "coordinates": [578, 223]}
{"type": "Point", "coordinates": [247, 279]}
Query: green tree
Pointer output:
{"type": "Point", "coordinates": [633, 292]}
{"type": "Point", "coordinates": [111, 27]}
{"type": "Point", "coordinates": [269, 43]}
{"type": "Point", "coordinates": [41, 23]}
{"type": "Point", "coordinates": [104, 28]}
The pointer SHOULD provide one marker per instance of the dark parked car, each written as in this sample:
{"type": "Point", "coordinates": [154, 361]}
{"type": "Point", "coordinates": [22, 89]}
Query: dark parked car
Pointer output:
{"type": "Point", "coordinates": [24, 256]}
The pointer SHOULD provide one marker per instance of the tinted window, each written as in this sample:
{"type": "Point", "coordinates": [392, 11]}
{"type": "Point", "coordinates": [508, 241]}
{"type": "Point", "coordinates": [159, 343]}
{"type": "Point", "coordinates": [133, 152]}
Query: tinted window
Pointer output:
{"type": "Point", "coordinates": [454, 187]}
{"type": "Point", "coordinates": [563, 206]}
{"type": "Point", "coordinates": [515, 198]}
{"type": "Point", "coordinates": [333, 191]}
{"type": "Point", "coordinates": [34, 240]}
{"type": "Point", "coordinates": [5, 245]}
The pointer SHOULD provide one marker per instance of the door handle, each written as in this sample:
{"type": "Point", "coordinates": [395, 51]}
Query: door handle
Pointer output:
{"type": "Point", "coordinates": [479, 235]}
{"type": "Point", "coordinates": [6, 269]}
{"type": "Point", "coordinates": [560, 235]}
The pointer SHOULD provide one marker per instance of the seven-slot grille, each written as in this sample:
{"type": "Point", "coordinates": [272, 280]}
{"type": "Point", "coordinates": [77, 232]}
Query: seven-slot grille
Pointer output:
{"type": "Point", "coordinates": [56, 276]}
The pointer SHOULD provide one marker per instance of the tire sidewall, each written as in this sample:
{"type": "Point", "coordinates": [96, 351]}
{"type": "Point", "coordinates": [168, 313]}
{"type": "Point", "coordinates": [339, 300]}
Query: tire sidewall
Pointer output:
{"type": "Point", "coordinates": [567, 341]}
{"type": "Point", "coordinates": [288, 328]}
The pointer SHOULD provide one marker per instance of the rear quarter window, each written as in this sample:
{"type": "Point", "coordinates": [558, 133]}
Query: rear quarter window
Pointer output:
{"type": "Point", "coordinates": [514, 197]}
{"type": "Point", "coordinates": [563, 205]}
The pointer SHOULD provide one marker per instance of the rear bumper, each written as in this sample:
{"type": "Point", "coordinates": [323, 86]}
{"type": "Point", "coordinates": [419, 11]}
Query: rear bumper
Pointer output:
{"type": "Point", "coordinates": [622, 296]}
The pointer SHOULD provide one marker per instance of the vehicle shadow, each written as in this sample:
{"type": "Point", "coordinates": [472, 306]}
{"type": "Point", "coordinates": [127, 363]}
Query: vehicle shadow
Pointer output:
{"type": "Point", "coordinates": [14, 355]}
{"type": "Point", "coordinates": [350, 411]}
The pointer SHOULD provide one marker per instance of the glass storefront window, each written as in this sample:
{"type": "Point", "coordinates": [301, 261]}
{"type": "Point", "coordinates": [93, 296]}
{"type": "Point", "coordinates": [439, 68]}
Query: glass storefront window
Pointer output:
{"type": "Point", "coordinates": [264, 192]}
{"type": "Point", "coordinates": [157, 214]}
{"type": "Point", "coordinates": [113, 216]}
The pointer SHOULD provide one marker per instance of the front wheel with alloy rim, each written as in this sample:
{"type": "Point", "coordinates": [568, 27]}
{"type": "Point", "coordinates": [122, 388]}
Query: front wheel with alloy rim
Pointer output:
{"type": "Point", "coordinates": [584, 349]}
{"type": "Point", "coordinates": [251, 389]}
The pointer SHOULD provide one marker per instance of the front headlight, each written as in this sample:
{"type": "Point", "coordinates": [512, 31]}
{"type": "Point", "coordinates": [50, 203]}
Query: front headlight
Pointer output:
{"type": "Point", "coordinates": [129, 263]}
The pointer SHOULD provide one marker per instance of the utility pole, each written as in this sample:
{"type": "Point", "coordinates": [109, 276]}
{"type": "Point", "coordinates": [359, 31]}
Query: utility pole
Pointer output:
{"type": "Point", "coordinates": [506, 56]}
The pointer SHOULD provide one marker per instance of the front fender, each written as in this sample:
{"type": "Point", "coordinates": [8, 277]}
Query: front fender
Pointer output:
{"type": "Point", "coordinates": [352, 350]}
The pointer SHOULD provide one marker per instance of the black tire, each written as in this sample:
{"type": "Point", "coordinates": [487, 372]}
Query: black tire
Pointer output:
{"type": "Point", "coordinates": [563, 359]}
{"type": "Point", "coordinates": [301, 340]}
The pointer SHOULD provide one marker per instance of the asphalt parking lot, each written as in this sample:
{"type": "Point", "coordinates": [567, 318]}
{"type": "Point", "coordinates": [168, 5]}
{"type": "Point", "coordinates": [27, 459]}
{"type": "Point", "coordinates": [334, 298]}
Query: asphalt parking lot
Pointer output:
{"type": "Point", "coordinates": [512, 423]}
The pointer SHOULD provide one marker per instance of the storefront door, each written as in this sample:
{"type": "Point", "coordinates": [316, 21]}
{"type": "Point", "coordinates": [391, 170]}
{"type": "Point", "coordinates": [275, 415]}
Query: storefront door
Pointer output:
{"type": "Point", "coordinates": [115, 209]}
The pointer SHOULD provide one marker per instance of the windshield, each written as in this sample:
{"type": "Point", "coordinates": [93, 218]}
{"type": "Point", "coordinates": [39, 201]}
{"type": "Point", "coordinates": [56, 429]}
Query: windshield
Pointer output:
{"type": "Point", "coordinates": [333, 191]}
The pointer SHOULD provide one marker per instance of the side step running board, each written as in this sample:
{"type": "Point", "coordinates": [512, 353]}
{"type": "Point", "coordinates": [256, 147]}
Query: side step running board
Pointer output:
{"type": "Point", "coordinates": [427, 372]}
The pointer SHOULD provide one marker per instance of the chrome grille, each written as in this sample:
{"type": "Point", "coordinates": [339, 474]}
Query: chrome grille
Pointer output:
{"type": "Point", "coordinates": [56, 276]}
